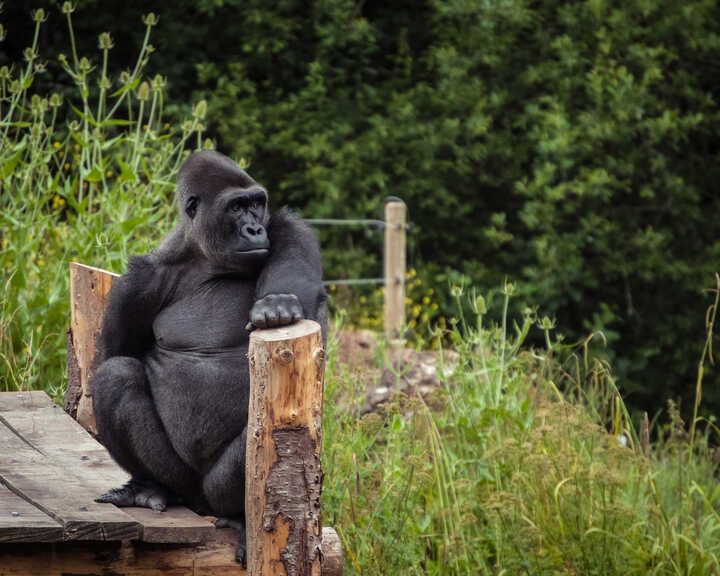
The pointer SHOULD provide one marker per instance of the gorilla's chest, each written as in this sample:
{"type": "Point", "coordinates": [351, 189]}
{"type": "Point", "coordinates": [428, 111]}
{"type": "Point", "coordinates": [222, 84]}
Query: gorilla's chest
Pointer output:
{"type": "Point", "coordinates": [210, 316]}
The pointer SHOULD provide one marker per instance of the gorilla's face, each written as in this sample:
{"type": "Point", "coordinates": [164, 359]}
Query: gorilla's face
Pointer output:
{"type": "Point", "coordinates": [229, 227]}
{"type": "Point", "coordinates": [223, 212]}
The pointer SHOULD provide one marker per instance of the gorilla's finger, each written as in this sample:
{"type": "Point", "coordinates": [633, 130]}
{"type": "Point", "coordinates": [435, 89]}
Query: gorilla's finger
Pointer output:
{"type": "Point", "coordinates": [271, 317]}
{"type": "Point", "coordinates": [284, 316]}
{"type": "Point", "coordinates": [249, 326]}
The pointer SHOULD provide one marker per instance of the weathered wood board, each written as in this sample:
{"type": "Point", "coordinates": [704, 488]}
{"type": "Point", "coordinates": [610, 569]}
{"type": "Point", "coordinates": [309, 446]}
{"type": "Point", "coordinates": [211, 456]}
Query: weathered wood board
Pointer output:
{"type": "Point", "coordinates": [214, 558]}
{"type": "Point", "coordinates": [89, 289]}
{"type": "Point", "coordinates": [53, 465]}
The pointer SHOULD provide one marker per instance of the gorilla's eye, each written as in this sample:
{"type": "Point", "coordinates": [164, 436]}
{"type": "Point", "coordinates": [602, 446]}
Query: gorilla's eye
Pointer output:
{"type": "Point", "coordinates": [191, 206]}
{"type": "Point", "coordinates": [237, 205]}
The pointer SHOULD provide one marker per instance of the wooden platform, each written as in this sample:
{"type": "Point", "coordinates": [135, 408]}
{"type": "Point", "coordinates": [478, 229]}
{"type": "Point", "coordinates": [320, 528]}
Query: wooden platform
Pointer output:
{"type": "Point", "coordinates": [51, 470]}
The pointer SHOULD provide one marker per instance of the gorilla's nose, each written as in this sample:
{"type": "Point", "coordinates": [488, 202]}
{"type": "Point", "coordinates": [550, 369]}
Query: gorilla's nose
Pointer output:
{"type": "Point", "coordinates": [255, 233]}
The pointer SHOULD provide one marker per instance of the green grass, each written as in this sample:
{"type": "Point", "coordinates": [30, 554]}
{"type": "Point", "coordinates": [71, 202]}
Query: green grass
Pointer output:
{"type": "Point", "coordinates": [500, 472]}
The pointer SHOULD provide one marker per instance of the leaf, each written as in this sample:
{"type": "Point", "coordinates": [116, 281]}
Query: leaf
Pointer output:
{"type": "Point", "coordinates": [84, 116]}
{"type": "Point", "coordinates": [95, 175]}
{"type": "Point", "coordinates": [126, 87]}
{"type": "Point", "coordinates": [8, 166]}
{"type": "Point", "coordinates": [126, 173]}
{"type": "Point", "coordinates": [130, 224]}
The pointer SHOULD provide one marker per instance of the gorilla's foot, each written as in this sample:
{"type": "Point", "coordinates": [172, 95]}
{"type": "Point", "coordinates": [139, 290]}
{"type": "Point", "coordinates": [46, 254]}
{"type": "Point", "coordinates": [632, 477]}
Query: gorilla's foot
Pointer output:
{"type": "Point", "coordinates": [136, 493]}
{"type": "Point", "coordinates": [239, 525]}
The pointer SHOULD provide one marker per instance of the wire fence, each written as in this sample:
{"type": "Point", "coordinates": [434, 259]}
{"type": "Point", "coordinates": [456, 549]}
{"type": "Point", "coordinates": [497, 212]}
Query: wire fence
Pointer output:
{"type": "Point", "coordinates": [361, 222]}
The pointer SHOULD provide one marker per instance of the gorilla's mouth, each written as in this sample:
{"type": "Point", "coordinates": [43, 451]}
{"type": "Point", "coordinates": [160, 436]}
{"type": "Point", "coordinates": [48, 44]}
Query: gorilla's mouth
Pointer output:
{"type": "Point", "coordinates": [253, 251]}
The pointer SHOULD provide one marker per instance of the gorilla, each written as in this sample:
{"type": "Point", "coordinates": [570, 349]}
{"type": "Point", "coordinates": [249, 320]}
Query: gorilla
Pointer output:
{"type": "Point", "coordinates": [171, 392]}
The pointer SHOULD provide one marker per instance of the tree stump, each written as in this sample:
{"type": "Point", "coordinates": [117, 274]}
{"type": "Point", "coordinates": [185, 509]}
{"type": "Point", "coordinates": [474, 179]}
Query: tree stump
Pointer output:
{"type": "Point", "coordinates": [284, 475]}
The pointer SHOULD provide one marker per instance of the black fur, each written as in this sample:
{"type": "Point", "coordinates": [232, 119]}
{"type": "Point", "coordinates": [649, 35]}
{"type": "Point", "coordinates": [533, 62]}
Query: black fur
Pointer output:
{"type": "Point", "coordinates": [171, 393]}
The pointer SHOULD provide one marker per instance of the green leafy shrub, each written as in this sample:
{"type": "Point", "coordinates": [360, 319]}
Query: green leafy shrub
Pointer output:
{"type": "Point", "coordinates": [89, 179]}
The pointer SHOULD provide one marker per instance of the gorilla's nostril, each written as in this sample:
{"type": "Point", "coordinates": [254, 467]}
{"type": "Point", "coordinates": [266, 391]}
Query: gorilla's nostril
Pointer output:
{"type": "Point", "coordinates": [254, 232]}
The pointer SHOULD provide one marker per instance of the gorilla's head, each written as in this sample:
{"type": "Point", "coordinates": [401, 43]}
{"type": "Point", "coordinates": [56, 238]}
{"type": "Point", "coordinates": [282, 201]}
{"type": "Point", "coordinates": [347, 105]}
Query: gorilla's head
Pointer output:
{"type": "Point", "coordinates": [223, 211]}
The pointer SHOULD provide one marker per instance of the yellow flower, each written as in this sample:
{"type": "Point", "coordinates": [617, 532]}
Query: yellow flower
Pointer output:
{"type": "Point", "coordinates": [67, 166]}
{"type": "Point", "coordinates": [426, 300]}
{"type": "Point", "coordinates": [61, 154]}
{"type": "Point", "coordinates": [408, 301]}
{"type": "Point", "coordinates": [109, 173]}
{"type": "Point", "coordinates": [56, 145]}
{"type": "Point", "coordinates": [41, 262]}
{"type": "Point", "coordinates": [332, 287]}
{"type": "Point", "coordinates": [434, 306]}
{"type": "Point", "coordinates": [58, 202]}
{"type": "Point", "coordinates": [411, 273]}
{"type": "Point", "coordinates": [363, 299]}
{"type": "Point", "coordinates": [416, 311]}
{"type": "Point", "coordinates": [412, 324]}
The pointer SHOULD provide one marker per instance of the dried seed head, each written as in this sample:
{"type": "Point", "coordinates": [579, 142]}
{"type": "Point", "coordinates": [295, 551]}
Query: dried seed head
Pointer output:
{"type": "Point", "coordinates": [208, 144]}
{"type": "Point", "coordinates": [29, 54]}
{"type": "Point", "coordinates": [200, 110]}
{"type": "Point", "coordinates": [124, 77]}
{"type": "Point", "coordinates": [39, 15]}
{"type": "Point", "coordinates": [84, 65]}
{"type": "Point", "coordinates": [105, 83]}
{"type": "Point", "coordinates": [4, 73]}
{"type": "Point", "coordinates": [150, 19]}
{"type": "Point", "coordinates": [105, 41]}
{"type": "Point", "coordinates": [55, 100]}
{"type": "Point", "coordinates": [143, 91]}
{"type": "Point", "coordinates": [158, 83]}
{"type": "Point", "coordinates": [62, 59]}
{"type": "Point", "coordinates": [68, 8]}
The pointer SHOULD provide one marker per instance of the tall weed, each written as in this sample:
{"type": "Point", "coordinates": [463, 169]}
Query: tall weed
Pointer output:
{"type": "Point", "coordinates": [89, 179]}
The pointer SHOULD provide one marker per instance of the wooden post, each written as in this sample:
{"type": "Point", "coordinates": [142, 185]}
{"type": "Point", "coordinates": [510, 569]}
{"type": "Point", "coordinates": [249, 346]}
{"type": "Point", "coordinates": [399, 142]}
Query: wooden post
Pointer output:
{"type": "Point", "coordinates": [284, 438]}
{"type": "Point", "coordinates": [89, 288]}
{"type": "Point", "coordinates": [395, 226]}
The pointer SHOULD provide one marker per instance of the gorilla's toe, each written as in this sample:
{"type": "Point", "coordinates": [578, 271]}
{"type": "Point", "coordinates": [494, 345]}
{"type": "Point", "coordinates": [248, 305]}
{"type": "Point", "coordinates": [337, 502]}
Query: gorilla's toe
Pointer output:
{"type": "Point", "coordinates": [241, 554]}
{"type": "Point", "coordinates": [134, 493]}
{"type": "Point", "coordinates": [124, 496]}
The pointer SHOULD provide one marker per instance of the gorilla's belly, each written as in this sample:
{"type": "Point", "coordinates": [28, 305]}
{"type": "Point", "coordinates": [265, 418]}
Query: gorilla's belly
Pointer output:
{"type": "Point", "coordinates": [201, 398]}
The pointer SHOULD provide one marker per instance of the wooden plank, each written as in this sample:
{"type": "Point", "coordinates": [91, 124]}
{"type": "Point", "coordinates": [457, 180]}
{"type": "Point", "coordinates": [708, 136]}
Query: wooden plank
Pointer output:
{"type": "Point", "coordinates": [89, 288]}
{"type": "Point", "coordinates": [177, 525]}
{"type": "Point", "coordinates": [20, 521]}
{"type": "Point", "coordinates": [57, 491]}
{"type": "Point", "coordinates": [215, 558]}
{"type": "Point", "coordinates": [49, 429]}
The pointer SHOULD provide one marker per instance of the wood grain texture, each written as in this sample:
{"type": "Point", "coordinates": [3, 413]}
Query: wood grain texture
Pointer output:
{"type": "Point", "coordinates": [49, 430]}
{"type": "Point", "coordinates": [395, 225]}
{"type": "Point", "coordinates": [214, 558]}
{"type": "Point", "coordinates": [89, 288]}
{"type": "Point", "coordinates": [20, 521]}
{"type": "Point", "coordinates": [284, 476]}
{"type": "Point", "coordinates": [53, 488]}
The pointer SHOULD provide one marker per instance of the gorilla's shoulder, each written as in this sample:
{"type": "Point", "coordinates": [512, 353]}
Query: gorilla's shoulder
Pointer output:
{"type": "Point", "coordinates": [286, 222]}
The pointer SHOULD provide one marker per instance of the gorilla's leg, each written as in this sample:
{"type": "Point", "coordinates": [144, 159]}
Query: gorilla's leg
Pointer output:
{"type": "Point", "coordinates": [224, 490]}
{"type": "Point", "coordinates": [131, 430]}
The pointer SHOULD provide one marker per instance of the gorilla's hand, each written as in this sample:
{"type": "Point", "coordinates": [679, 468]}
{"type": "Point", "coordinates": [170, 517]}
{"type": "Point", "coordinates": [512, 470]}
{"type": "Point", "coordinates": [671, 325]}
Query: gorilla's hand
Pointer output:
{"type": "Point", "coordinates": [275, 310]}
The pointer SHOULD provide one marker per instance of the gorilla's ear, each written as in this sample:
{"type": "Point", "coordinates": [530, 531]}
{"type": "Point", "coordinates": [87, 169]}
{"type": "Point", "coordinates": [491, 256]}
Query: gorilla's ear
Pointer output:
{"type": "Point", "coordinates": [191, 206]}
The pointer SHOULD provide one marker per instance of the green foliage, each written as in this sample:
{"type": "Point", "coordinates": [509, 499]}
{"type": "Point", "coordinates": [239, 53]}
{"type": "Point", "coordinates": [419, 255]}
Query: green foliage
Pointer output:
{"type": "Point", "coordinates": [87, 179]}
{"type": "Point", "coordinates": [498, 472]}
{"type": "Point", "coordinates": [571, 145]}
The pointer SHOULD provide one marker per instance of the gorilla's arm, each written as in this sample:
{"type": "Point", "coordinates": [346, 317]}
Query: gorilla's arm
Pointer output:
{"type": "Point", "coordinates": [293, 268]}
{"type": "Point", "coordinates": [135, 299]}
